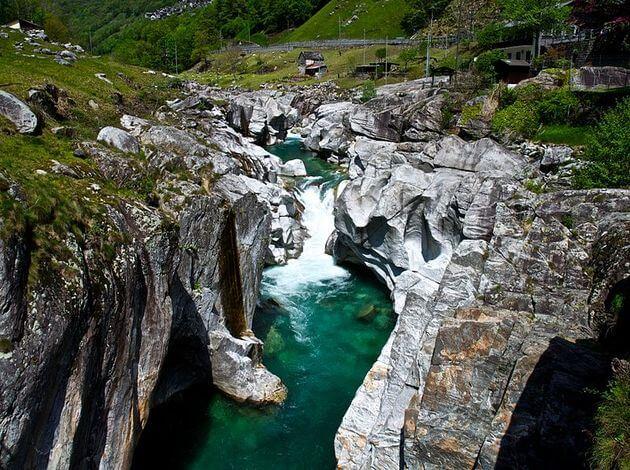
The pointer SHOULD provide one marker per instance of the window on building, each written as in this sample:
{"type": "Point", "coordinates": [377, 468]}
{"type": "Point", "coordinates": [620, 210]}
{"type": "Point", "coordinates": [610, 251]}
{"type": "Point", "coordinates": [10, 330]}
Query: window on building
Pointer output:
{"type": "Point", "coordinates": [509, 56]}
{"type": "Point", "coordinates": [518, 56]}
{"type": "Point", "coordinates": [528, 56]}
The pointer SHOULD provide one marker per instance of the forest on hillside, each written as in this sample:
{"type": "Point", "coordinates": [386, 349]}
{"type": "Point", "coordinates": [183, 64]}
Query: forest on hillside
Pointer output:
{"type": "Point", "coordinates": [119, 27]}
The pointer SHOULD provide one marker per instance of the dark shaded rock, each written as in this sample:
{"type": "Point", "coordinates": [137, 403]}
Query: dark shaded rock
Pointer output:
{"type": "Point", "coordinates": [52, 101]}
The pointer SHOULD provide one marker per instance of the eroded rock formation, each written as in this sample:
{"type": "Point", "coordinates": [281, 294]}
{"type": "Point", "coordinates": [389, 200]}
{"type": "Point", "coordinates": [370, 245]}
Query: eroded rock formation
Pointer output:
{"type": "Point", "coordinates": [156, 296]}
{"type": "Point", "coordinates": [496, 297]}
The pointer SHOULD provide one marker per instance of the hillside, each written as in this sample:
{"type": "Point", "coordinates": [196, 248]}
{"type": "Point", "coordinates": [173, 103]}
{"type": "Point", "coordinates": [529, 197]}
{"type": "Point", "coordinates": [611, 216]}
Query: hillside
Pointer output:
{"type": "Point", "coordinates": [105, 18]}
{"type": "Point", "coordinates": [377, 18]}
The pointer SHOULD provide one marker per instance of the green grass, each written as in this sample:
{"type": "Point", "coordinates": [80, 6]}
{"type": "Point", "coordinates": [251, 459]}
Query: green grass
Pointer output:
{"type": "Point", "coordinates": [563, 134]}
{"type": "Point", "coordinates": [53, 205]}
{"type": "Point", "coordinates": [378, 18]}
{"type": "Point", "coordinates": [281, 68]}
{"type": "Point", "coordinates": [612, 433]}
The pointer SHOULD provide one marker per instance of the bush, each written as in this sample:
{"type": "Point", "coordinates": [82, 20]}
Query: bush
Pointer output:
{"type": "Point", "coordinates": [559, 106]}
{"type": "Point", "coordinates": [521, 118]}
{"type": "Point", "coordinates": [612, 434]}
{"type": "Point", "coordinates": [485, 64]}
{"type": "Point", "coordinates": [608, 152]}
{"type": "Point", "coordinates": [369, 91]}
{"type": "Point", "coordinates": [470, 112]}
{"type": "Point", "coordinates": [523, 109]}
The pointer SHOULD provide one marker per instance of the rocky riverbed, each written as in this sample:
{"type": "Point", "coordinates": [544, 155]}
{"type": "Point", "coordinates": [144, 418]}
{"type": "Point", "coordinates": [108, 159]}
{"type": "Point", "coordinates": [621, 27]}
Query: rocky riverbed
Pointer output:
{"type": "Point", "coordinates": [500, 287]}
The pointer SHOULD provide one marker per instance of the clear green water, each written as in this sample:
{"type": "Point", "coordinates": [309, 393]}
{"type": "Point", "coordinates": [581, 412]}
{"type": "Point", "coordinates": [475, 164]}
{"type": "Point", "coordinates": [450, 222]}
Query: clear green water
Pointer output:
{"type": "Point", "coordinates": [314, 341]}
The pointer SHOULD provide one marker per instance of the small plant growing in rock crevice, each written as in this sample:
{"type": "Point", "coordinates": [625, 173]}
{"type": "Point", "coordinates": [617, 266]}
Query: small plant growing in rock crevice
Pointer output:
{"type": "Point", "coordinates": [369, 91]}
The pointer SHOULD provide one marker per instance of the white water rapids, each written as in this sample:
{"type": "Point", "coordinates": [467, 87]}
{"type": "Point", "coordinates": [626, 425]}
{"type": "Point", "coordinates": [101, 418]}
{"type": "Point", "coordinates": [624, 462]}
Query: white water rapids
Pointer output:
{"type": "Point", "coordinates": [314, 266]}
{"type": "Point", "coordinates": [303, 278]}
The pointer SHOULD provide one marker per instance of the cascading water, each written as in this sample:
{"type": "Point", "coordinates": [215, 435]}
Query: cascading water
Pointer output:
{"type": "Point", "coordinates": [314, 266]}
{"type": "Point", "coordinates": [323, 327]}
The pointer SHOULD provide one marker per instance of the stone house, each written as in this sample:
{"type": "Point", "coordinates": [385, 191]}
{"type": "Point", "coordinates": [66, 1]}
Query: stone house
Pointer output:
{"type": "Point", "coordinates": [312, 63]}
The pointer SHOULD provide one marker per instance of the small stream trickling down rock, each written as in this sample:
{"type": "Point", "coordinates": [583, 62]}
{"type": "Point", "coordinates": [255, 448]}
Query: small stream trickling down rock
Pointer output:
{"type": "Point", "coordinates": [323, 327]}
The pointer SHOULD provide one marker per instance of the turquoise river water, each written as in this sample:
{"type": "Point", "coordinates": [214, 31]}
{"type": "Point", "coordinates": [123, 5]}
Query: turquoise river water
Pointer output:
{"type": "Point", "coordinates": [322, 333]}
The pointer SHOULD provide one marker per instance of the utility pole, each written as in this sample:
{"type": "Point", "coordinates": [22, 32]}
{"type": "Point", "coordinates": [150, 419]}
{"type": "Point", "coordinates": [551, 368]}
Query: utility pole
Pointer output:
{"type": "Point", "coordinates": [429, 45]}
{"type": "Point", "coordinates": [339, 20]}
{"type": "Point", "coordinates": [364, 48]}
{"type": "Point", "coordinates": [386, 69]}
{"type": "Point", "coordinates": [176, 64]}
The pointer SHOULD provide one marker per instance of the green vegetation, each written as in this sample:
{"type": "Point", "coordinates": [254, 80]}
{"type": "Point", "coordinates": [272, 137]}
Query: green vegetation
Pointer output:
{"type": "Point", "coordinates": [524, 17]}
{"type": "Point", "coordinates": [230, 68]}
{"type": "Point", "coordinates": [485, 64]}
{"type": "Point", "coordinates": [470, 112]}
{"type": "Point", "coordinates": [525, 110]}
{"type": "Point", "coordinates": [612, 437]}
{"type": "Point", "coordinates": [420, 14]}
{"type": "Point", "coordinates": [608, 152]}
{"type": "Point", "coordinates": [369, 91]}
{"type": "Point", "coordinates": [563, 134]}
{"type": "Point", "coordinates": [53, 205]}
{"type": "Point", "coordinates": [175, 43]}
{"type": "Point", "coordinates": [378, 18]}
{"type": "Point", "coordinates": [521, 118]}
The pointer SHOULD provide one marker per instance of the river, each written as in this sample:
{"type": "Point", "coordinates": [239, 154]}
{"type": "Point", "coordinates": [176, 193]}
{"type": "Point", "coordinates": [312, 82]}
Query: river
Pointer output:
{"type": "Point", "coordinates": [323, 326]}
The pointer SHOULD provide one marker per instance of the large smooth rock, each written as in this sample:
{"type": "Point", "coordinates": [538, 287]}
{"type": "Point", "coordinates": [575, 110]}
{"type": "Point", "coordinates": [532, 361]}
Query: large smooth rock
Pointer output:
{"type": "Point", "coordinates": [293, 168]}
{"type": "Point", "coordinates": [265, 115]}
{"type": "Point", "coordinates": [120, 139]}
{"type": "Point", "coordinates": [449, 225]}
{"type": "Point", "coordinates": [18, 113]}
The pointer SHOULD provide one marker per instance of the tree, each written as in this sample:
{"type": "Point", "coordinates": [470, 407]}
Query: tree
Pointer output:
{"type": "Point", "coordinates": [381, 54]}
{"type": "Point", "coordinates": [520, 18]}
{"type": "Point", "coordinates": [420, 14]}
{"type": "Point", "coordinates": [535, 15]}
{"type": "Point", "coordinates": [607, 16]}
{"type": "Point", "coordinates": [55, 28]}
{"type": "Point", "coordinates": [408, 55]}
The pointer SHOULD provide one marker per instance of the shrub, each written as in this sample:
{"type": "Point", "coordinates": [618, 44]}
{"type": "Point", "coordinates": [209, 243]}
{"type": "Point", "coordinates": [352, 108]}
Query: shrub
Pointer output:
{"type": "Point", "coordinates": [521, 118]}
{"type": "Point", "coordinates": [612, 433]}
{"type": "Point", "coordinates": [369, 91]}
{"type": "Point", "coordinates": [470, 112]}
{"type": "Point", "coordinates": [485, 64]}
{"type": "Point", "coordinates": [524, 108]}
{"type": "Point", "coordinates": [608, 152]}
{"type": "Point", "coordinates": [559, 106]}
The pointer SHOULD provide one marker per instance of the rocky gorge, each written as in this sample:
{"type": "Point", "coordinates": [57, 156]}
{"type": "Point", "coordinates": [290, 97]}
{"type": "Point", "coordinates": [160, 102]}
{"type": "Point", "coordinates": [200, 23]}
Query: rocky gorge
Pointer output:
{"type": "Point", "coordinates": [500, 289]}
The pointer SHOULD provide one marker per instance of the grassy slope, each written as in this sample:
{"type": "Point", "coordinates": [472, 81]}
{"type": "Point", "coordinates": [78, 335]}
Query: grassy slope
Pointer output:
{"type": "Point", "coordinates": [55, 203]}
{"type": "Point", "coordinates": [280, 67]}
{"type": "Point", "coordinates": [379, 19]}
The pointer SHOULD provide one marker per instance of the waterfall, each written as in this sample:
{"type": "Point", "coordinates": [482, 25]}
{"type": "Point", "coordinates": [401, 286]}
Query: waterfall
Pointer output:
{"type": "Point", "coordinates": [296, 282]}
{"type": "Point", "coordinates": [314, 266]}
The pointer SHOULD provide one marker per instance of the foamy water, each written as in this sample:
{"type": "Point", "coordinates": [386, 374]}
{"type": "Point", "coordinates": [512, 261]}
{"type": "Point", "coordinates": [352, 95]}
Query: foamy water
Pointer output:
{"type": "Point", "coordinates": [314, 266]}
{"type": "Point", "coordinates": [296, 283]}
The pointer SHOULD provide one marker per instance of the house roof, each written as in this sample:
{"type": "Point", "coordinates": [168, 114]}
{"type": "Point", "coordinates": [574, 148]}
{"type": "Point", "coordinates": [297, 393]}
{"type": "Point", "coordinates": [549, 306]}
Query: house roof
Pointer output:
{"type": "Point", "coordinates": [515, 63]}
{"type": "Point", "coordinates": [23, 24]}
{"type": "Point", "coordinates": [311, 55]}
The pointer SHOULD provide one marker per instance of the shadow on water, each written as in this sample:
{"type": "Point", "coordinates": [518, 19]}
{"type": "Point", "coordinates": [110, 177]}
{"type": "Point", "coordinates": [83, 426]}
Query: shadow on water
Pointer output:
{"type": "Point", "coordinates": [551, 426]}
{"type": "Point", "coordinates": [176, 430]}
